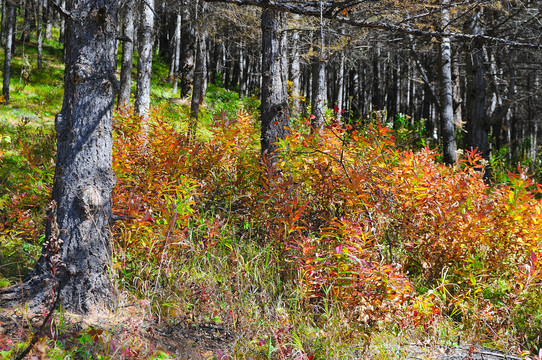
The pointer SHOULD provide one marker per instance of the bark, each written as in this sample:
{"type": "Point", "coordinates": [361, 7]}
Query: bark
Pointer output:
{"type": "Point", "coordinates": [127, 55]}
{"type": "Point", "coordinates": [48, 20]}
{"type": "Point", "coordinates": [39, 15]}
{"type": "Point", "coordinates": [175, 62]}
{"type": "Point", "coordinates": [319, 89]}
{"type": "Point", "coordinates": [340, 86]}
{"type": "Point", "coordinates": [477, 116]}
{"type": "Point", "coordinates": [62, 27]}
{"type": "Point", "coordinates": [200, 72]}
{"type": "Point", "coordinates": [447, 103]}
{"type": "Point", "coordinates": [275, 111]}
{"type": "Point", "coordinates": [456, 92]}
{"type": "Point", "coordinates": [29, 21]}
{"type": "Point", "coordinates": [84, 178]}
{"type": "Point", "coordinates": [318, 94]}
{"type": "Point", "coordinates": [144, 62]}
{"type": "Point", "coordinates": [296, 72]}
{"type": "Point", "coordinates": [3, 23]}
{"type": "Point", "coordinates": [8, 48]}
{"type": "Point", "coordinates": [242, 83]}
{"type": "Point", "coordinates": [188, 42]}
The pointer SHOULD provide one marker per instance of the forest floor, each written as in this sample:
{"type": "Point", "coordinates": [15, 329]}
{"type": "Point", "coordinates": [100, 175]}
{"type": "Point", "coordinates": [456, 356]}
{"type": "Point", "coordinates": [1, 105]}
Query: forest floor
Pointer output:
{"type": "Point", "coordinates": [147, 338]}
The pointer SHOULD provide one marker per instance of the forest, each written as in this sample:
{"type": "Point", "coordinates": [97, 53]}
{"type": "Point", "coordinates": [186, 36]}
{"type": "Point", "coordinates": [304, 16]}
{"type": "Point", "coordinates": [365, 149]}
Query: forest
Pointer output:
{"type": "Point", "coordinates": [271, 179]}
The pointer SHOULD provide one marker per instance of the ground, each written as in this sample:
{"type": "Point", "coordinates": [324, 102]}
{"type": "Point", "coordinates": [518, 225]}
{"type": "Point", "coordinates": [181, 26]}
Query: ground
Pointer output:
{"type": "Point", "coordinates": [131, 333]}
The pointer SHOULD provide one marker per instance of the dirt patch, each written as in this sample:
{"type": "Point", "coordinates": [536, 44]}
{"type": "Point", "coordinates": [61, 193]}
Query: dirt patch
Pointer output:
{"type": "Point", "coordinates": [132, 333]}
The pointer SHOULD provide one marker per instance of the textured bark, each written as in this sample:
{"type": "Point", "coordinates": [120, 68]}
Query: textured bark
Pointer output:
{"type": "Point", "coordinates": [39, 15]}
{"type": "Point", "coordinates": [62, 28]}
{"type": "Point", "coordinates": [144, 62]}
{"type": "Point", "coordinates": [318, 93]}
{"type": "Point", "coordinates": [296, 72]}
{"type": "Point", "coordinates": [275, 111]}
{"type": "Point", "coordinates": [28, 22]}
{"type": "Point", "coordinates": [477, 116]}
{"type": "Point", "coordinates": [200, 72]}
{"type": "Point", "coordinates": [127, 55]}
{"type": "Point", "coordinates": [447, 103]}
{"type": "Point", "coordinates": [175, 61]}
{"type": "Point", "coordinates": [187, 47]}
{"type": "Point", "coordinates": [8, 48]}
{"type": "Point", "coordinates": [340, 86]}
{"type": "Point", "coordinates": [84, 178]}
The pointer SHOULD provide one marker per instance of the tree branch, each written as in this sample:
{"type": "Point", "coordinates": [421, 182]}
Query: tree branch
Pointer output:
{"type": "Point", "coordinates": [306, 9]}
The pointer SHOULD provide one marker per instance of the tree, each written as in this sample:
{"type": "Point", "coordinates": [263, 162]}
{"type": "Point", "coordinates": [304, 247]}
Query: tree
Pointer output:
{"type": "Point", "coordinates": [127, 53]}
{"type": "Point", "coordinates": [144, 61]}
{"type": "Point", "coordinates": [8, 48]}
{"type": "Point", "coordinates": [80, 214]}
{"type": "Point", "coordinates": [447, 103]}
{"type": "Point", "coordinates": [200, 72]}
{"type": "Point", "coordinates": [477, 119]}
{"type": "Point", "coordinates": [188, 40]}
{"type": "Point", "coordinates": [275, 111]}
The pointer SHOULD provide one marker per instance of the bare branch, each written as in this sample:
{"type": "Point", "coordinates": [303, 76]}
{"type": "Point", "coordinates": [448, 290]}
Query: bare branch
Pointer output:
{"type": "Point", "coordinates": [308, 9]}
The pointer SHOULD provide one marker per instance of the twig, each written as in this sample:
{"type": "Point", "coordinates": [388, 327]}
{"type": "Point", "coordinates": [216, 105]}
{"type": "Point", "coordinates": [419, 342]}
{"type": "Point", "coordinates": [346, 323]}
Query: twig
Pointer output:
{"type": "Point", "coordinates": [39, 333]}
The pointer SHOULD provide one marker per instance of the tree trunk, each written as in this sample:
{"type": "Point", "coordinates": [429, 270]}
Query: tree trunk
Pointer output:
{"type": "Point", "coordinates": [127, 54]}
{"type": "Point", "coordinates": [275, 111]}
{"type": "Point", "coordinates": [39, 15]}
{"type": "Point", "coordinates": [477, 116]}
{"type": "Point", "coordinates": [175, 62]}
{"type": "Point", "coordinates": [242, 85]}
{"type": "Point", "coordinates": [447, 103]}
{"type": "Point", "coordinates": [187, 48]}
{"type": "Point", "coordinates": [62, 29]}
{"type": "Point", "coordinates": [29, 21]}
{"type": "Point", "coordinates": [318, 93]}
{"type": "Point", "coordinates": [296, 72]}
{"type": "Point", "coordinates": [319, 88]}
{"type": "Point", "coordinates": [8, 48]}
{"type": "Point", "coordinates": [200, 72]}
{"type": "Point", "coordinates": [144, 63]}
{"type": "Point", "coordinates": [48, 20]}
{"type": "Point", "coordinates": [84, 178]}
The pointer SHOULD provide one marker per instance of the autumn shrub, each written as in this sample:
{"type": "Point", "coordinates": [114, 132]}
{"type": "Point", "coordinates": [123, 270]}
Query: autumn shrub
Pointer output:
{"type": "Point", "coordinates": [373, 223]}
{"type": "Point", "coordinates": [170, 190]}
{"type": "Point", "coordinates": [389, 236]}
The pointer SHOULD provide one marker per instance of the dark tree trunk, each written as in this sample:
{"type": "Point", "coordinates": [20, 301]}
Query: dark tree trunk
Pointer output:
{"type": "Point", "coordinates": [144, 62]}
{"type": "Point", "coordinates": [127, 54]}
{"type": "Point", "coordinates": [187, 47]}
{"type": "Point", "coordinates": [477, 116]}
{"type": "Point", "coordinates": [3, 23]}
{"type": "Point", "coordinates": [8, 48]}
{"type": "Point", "coordinates": [84, 178]}
{"type": "Point", "coordinates": [29, 22]}
{"type": "Point", "coordinates": [275, 111]}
